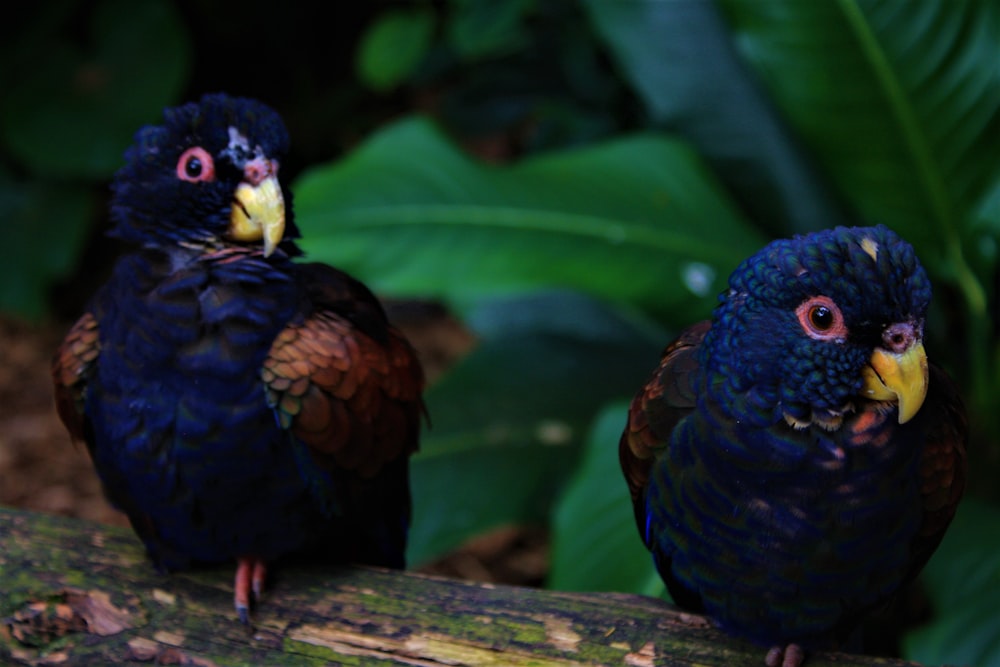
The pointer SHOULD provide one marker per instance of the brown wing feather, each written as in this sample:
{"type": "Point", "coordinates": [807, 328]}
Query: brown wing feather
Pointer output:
{"type": "Point", "coordinates": [352, 399]}
{"type": "Point", "coordinates": [942, 464]}
{"type": "Point", "coordinates": [665, 399]}
{"type": "Point", "coordinates": [71, 364]}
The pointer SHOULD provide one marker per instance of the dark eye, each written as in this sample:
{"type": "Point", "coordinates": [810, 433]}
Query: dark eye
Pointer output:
{"type": "Point", "coordinates": [821, 319]}
{"type": "Point", "coordinates": [196, 164]}
{"type": "Point", "coordinates": [192, 168]}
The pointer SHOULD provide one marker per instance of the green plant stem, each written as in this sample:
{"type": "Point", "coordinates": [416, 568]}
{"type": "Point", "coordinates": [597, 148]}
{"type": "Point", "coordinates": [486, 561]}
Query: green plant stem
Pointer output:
{"type": "Point", "coordinates": [917, 143]}
{"type": "Point", "coordinates": [983, 358]}
{"type": "Point", "coordinates": [910, 127]}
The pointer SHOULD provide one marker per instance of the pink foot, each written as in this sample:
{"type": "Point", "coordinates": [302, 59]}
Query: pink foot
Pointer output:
{"type": "Point", "coordinates": [785, 656]}
{"type": "Point", "coordinates": [251, 573]}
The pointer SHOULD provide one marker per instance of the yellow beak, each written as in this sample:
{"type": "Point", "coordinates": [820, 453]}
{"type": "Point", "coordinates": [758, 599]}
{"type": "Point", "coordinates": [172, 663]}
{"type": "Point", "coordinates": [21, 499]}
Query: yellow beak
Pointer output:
{"type": "Point", "coordinates": [899, 377]}
{"type": "Point", "coordinates": [259, 213]}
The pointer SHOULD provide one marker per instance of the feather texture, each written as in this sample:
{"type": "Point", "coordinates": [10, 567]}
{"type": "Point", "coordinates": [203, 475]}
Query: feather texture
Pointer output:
{"type": "Point", "coordinates": [772, 479]}
{"type": "Point", "coordinates": [237, 404]}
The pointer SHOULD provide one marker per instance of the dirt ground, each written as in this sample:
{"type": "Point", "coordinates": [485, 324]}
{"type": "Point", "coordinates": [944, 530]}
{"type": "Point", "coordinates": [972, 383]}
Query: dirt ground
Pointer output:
{"type": "Point", "coordinates": [41, 470]}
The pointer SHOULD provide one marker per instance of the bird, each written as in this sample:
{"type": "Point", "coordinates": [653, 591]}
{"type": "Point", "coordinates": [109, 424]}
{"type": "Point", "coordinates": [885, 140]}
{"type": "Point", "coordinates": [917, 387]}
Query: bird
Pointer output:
{"type": "Point", "coordinates": [238, 404]}
{"type": "Point", "coordinates": [795, 460]}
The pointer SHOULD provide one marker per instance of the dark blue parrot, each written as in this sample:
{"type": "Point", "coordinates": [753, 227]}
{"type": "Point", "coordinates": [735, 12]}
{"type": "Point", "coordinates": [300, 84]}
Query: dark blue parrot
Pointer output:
{"type": "Point", "coordinates": [796, 460]}
{"type": "Point", "coordinates": [237, 405]}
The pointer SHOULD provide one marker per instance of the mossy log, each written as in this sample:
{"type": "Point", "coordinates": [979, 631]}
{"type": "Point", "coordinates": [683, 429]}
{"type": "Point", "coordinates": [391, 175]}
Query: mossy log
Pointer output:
{"type": "Point", "coordinates": [76, 593]}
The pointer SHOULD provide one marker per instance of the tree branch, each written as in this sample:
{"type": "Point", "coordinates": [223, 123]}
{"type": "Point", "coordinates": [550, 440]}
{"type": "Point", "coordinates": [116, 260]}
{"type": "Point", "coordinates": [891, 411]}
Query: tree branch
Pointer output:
{"type": "Point", "coordinates": [84, 594]}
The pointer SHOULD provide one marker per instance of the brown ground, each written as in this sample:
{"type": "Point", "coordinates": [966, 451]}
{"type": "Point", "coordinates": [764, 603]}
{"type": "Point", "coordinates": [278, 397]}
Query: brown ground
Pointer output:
{"type": "Point", "coordinates": [41, 470]}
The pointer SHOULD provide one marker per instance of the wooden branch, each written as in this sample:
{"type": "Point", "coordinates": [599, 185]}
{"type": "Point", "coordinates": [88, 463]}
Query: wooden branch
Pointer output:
{"type": "Point", "coordinates": [78, 593]}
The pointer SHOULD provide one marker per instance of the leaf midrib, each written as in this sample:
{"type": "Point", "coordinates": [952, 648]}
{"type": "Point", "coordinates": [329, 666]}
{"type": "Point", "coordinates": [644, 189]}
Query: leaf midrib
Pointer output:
{"type": "Point", "coordinates": [594, 227]}
{"type": "Point", "coordinates": [918, 144]}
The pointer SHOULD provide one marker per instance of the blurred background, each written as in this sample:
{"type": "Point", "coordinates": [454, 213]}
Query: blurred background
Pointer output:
{"type": "Point", "coordinates": [543, 191]}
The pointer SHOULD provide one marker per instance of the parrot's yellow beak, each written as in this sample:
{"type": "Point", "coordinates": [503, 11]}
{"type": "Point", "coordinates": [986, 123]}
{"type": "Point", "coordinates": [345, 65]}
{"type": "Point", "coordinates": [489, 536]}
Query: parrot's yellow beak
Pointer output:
{"type": "Point", "coordinates": [899, 377]}
{"type": "Point", "coordinates": [258, 213]}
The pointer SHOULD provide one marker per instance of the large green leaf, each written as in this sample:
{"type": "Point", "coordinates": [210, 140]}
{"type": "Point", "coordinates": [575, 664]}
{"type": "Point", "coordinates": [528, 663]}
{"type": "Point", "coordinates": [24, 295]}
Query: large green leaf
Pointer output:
{"type": "Point", "coordinates": [595, 544]}
{"type": "Point", "coordinates": [900, 103]}
{"type": "Point", "coordinates": [680, 58]}
{"type": "Point", "coordinates": [963, 580]}
{"type": "Point", "coordinates": [968, 635]}
{"type": "Point", "coordinates": [506, 424]}
{"type": "Point", "coordinates": [637, 220]}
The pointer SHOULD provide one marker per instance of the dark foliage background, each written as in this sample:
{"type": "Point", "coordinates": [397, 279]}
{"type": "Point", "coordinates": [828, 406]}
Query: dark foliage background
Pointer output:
{"type": "Point", "coordinates": [573, 180]}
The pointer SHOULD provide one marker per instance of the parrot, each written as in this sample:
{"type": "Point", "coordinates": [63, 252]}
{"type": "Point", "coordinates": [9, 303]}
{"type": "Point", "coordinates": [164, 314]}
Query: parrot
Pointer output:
{"type": "Point", "coordinates": [795, 460]}
{"type": "Point", "coordinates": [239, 405]}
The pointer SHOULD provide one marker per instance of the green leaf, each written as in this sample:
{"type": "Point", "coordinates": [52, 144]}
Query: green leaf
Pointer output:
{"type": "Point", "coordinates": [969, 635]}
{"type": "Point", "coordinates": [393, 46]}
{"type": "Point", "coordinates": [987, 215]}
{"type": "Point", "coordinates": [469, 493]}
{"type": "Point", "coordinates": [76, 112]}
{"type": "Point", "coordinates": [967, 559]}
{"type": "Point", "coordinates": [963, 580]}
{"type": "Point", "coordinates": [481, 28]}
{"type": "Point", "coordinates": [595, 544]}
{"type": "Point", "coordinates": [638, 220]}
{"type": "Point", "coordinates": [508, 421]}
{"type": "Point", "coordinates": [898, 100]}
{"type": "Point", "coordinates": [43, 228]}
{"type": "Point", "coordinates": [680, 59]}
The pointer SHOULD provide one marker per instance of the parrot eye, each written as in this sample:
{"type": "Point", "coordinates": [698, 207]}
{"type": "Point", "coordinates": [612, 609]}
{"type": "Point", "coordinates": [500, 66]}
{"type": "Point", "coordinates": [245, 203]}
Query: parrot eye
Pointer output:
{"type": "Point", "coordinates": [821, 319]}
{"type": "Point", "coordinates": [195, 164]}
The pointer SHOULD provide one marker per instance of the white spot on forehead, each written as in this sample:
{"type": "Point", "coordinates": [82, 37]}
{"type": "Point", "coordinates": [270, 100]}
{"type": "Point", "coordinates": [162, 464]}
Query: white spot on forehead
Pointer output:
{"type": "Point", "coordinates": [237, 140]}
{"type": "Point", "coordinates": [239, 150]}
{"type": "Point", "coordinates": [870, 246]}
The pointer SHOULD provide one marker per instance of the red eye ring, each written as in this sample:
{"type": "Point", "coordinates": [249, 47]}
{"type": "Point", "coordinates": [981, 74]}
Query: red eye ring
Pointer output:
{"type": "Point", "coordinates": [821, 319]}
{"type": "Point", "coordinates": [196, 165]}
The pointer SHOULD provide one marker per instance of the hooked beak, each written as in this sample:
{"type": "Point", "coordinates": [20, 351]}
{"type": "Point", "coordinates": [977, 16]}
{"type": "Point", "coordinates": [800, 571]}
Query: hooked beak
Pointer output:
{"type": "Point", "coordinates": [900, 377]}
{"type": "Point", "coordinates": [258, 206]}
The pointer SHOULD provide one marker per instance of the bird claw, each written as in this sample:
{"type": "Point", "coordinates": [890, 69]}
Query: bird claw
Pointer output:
{"type": "Point", "coordinates": [785, 656]}
{"type": "Point", "coordinates": [251, 573]}
{"type": "Point", "coordinates": [243, 613]}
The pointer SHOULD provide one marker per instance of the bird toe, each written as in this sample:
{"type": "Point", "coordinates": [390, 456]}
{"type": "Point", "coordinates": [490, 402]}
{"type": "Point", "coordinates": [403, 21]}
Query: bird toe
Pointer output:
{"type": "Point", "coordinates": [791, 655]}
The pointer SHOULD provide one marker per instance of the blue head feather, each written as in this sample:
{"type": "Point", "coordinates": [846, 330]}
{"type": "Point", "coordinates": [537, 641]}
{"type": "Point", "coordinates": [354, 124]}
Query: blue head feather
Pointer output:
{"type": "Point", "coordinates": [768, 509]}
{"type": "Point", "coordinates": [756, 353]}
{"type": "Point", "coordinates": [197, 211]}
